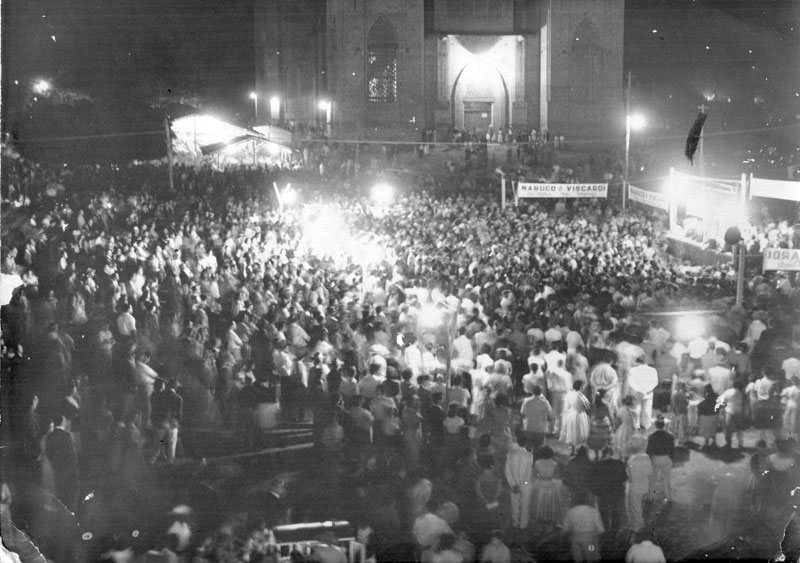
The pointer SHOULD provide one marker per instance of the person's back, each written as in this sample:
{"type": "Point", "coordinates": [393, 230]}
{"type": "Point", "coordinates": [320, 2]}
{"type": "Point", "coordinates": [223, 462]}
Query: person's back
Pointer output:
{"type": "Point", "coordinates": [609, 477]}
{"type": "Point", "coordinates": [537, 413]}
{"type": "Point", "coordinates": [645, 552]}
{"type": "Point", "coordinates": [639, 471]}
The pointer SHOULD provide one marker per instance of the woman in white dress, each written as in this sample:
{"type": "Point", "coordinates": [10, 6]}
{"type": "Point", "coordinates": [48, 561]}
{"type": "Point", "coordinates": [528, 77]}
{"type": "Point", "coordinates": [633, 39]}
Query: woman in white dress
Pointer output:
{"type": "Point", "coordinates": [626, 427]}
{"type": "Point", "coordinates": [575, 424]}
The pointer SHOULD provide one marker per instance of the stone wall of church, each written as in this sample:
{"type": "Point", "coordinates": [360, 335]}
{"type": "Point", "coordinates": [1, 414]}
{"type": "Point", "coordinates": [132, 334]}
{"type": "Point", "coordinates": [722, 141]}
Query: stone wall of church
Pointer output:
{"type": "Point", "coordinates": [289, 59]}
{"type": "Point", "coordinates": [564, 74]}
{"type": "Point", "coordinates": [354, 115]}
{"type": "Point", "coordinates": [586, 96]}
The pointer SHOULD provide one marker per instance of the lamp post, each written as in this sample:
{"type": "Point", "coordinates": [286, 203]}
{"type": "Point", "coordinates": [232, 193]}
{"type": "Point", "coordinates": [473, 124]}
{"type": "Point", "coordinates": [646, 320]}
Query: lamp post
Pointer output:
{"type": "Point", "coordinates": [42, 87]}
{"type": "Point", "coordinates": [254, 97]}
{"type": "Point", "coordinates": [633, 122]}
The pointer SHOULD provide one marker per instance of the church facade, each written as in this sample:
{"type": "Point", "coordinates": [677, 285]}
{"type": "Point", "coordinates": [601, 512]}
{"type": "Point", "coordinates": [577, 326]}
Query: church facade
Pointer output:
{"type": "Point", "coordinates": [389, 69]}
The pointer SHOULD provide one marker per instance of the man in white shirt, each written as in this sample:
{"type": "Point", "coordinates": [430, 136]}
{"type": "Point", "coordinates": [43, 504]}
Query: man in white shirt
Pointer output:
{"type": "Point", "coordinates": [642, 380]}
{"type": "Point", "coordinates": [428, 528]}
{"type": "Point", "coordinates": [639, 469]}
{"type": "Point", "coordinates": [645, 552]}
{"type": "Point", "coordinates": [518, 473]}
{"type": "Point", "coordinates": [126, 323]}
{"type": "Point", "coordinates": [412, 356]}
{"type": "Point", "coordinates": [554, 356]}
{"type": "Point", "coordinates": [552, 334]}
{"type": "Point", "coordinates": [720, 376]}
{"type": "Point", "coordinates": [537, 415]}
{"type": "Point", "coordinates": [534, 377]}
{"type": "Point", "coordinates": [462, 350]}
{"type": "Point", "coordinates": [734, 408]}
{"type": "Point", "coordinates": [538, 357]}
{"type": "Point", "coordinates": [559, 382]}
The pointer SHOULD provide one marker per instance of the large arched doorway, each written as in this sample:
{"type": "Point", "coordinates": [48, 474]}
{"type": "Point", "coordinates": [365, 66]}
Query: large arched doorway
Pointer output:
{"type": "Point", "coordinates": [479, 98]}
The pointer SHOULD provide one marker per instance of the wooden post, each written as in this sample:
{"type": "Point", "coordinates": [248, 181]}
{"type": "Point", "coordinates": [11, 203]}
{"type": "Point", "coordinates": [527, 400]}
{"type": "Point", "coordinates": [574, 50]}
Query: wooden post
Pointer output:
{"type": "Point", "coordinates": [740, 273]}
{"type": "Point", "coordinates": [627, 142]}
{"type": "Point", "coordinates": [169, 153]}
{"type": "Point", "coordinates": [673, 204]}
{"type": "Point", "coordinates": [702, 108]}
{"type": "Point", "coordinates": [503, 192]}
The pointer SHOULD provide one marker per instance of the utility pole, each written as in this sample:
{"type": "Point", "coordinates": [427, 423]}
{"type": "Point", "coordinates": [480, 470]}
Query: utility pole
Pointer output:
{"type": "Point", "coordinates": [702, 108]}
{"type": "Point", "coordinates": [169, 152]}
{"type": "Point", "coordinates": [627, 141]}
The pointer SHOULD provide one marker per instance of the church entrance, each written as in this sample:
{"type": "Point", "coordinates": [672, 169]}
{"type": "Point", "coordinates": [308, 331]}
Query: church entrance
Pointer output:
{"type": "Point", "coordinates": [479, 95]}
{"type": "Point", "coordinates": [477, 116]}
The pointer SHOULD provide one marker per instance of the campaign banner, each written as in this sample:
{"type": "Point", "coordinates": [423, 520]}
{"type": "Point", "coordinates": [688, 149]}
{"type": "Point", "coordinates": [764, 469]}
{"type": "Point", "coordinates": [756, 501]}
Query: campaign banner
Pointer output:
{"type": "Point", "coordinates": [774, 189]}
{"type": "Point", "coordinates": [786, 259]}
{"type": "Point", "coordinates": [645, 197]}
{"type": "Point", "coordinates": [526, 189]}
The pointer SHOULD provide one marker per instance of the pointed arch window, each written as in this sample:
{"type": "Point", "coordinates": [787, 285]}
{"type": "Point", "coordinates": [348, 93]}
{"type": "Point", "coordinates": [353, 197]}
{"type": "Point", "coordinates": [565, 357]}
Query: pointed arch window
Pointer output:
{"type": "Point", "coordinates": [382, 48]}
{"type": "Point", "coordinates": [587, 57]}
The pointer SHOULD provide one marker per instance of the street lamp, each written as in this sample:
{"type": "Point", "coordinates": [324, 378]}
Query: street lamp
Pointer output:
{"type": "Point", "coordinates": [383, 194]}
{"type": "Point", "coordinates": [254, 97]}
{"type": "Point", "coordinates": [633, 122]}
{"type": "Point", "coordinates": [42, 87]}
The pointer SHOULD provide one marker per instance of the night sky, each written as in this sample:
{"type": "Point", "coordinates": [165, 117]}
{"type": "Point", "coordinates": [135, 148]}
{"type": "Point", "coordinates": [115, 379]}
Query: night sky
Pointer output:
{"type": "Point", "coordinates": [130, 50]}
{"type": "Point", "coordinates": [200, 52]}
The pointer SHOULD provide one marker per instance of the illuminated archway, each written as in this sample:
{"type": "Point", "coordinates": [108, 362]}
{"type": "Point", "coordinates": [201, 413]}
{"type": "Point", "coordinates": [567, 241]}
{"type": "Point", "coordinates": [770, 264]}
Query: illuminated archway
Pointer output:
{"type": "Point", "coordinates": [477, 84]}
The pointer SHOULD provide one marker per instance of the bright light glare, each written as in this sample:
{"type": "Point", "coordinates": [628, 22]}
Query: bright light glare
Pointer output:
{"type": "Point", "coordinates": [274, 105]}
{"type": "Point", "coordinates": [324, 105]}
{"type": "Point", "coordinates": [289, 195]}
{"type": "Point", "coordinates": [430, 316]}
{"type": "Point", "coordinates": [253, 96]}
{"type": "Point", "coordinates": [636, 121]}
{"type": "Point", "coordinates": [41, 87]}
{"type": "Point", "coordinates": [689, 327]}
{"type": "Point", "coordinates": [325, 233]}
{"type": "Point", "coordinates": [382, 194]}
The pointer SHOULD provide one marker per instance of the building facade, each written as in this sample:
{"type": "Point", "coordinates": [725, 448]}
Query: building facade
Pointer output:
{"type": "Point", "coordinates": [388, 69]}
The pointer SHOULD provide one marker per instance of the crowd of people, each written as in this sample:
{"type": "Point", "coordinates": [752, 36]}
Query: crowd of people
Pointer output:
{"type": "Point", "coordinates": [440, 348]}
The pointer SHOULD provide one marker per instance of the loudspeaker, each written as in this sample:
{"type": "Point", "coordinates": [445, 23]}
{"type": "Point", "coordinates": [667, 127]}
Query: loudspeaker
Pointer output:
{"type": "Point", "coordinates": [733, 236]}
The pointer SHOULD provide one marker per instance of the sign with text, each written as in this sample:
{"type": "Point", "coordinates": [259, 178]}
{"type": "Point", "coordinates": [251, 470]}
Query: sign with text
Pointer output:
{"type": "Point", "coordinates": [556, 191]}
{"type": "Point", "coordinates": [775, 189]}
{"type": "Point", "coordinates": [645, 197]}
{"type": "Point", "coordinates": [787, 259]}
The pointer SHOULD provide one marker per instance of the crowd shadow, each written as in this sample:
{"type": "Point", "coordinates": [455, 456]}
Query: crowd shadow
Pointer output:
{"type": "Point", "coordinates": [722, 454]}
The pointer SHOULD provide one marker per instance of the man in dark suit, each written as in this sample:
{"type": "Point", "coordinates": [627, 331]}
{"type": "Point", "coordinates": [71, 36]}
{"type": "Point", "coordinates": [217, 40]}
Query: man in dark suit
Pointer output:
{"type": "Point", "coordinates": [661, 449]}
{"type": "Point", "coordinates": [60, 451]}
{"type": "Point", "coordinates": [608, 484]}
{"type": "Point", "coordinates": [166, 411]}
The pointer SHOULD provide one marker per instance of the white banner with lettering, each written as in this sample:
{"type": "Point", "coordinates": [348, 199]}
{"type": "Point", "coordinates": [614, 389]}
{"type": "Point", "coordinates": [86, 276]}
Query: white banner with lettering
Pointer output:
{"type": "Point", "coordinates": [646, 197]}
{"type": "Point", "coordinates": [525, 189]}
{"type": "Point", "coordinates": [787, 259]}
{"type": "Point", "coordinates": [775, 189]}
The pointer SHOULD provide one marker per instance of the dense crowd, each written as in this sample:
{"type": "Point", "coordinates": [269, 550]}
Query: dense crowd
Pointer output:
{"type": "Point", "coordinates": [440, 349]}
